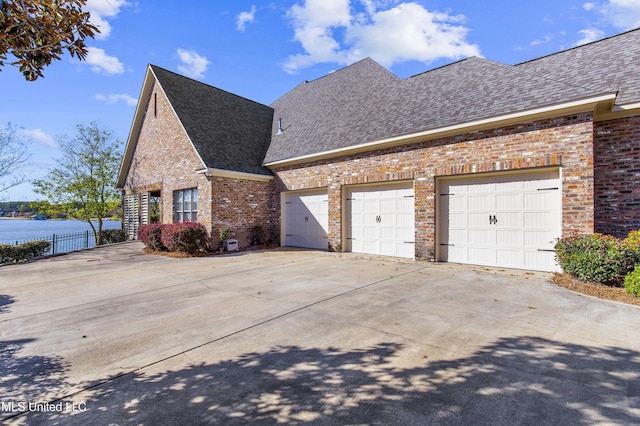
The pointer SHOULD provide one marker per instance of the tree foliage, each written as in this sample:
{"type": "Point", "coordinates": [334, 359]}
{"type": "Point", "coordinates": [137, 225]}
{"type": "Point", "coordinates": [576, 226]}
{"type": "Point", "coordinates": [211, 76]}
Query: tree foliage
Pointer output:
{"type": "Point", "coordinates": [84, 182]}
{"type": "Point", "coordinates": [13, 156]}
{"type": "Point", "coordinates": [36, 32]}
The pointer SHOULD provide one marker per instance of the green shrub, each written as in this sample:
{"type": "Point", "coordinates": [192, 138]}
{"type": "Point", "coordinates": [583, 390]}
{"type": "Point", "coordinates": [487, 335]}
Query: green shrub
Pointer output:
{"type": "Point", "coordinates": [150, 235]}
{"type": "Point", "coordinates": [224, 233]}
{"type": "Point", "coordinates": [633, 241]}
{"type": "Point", "coordinates": [23, 252]}
{"type": "Point", "coordinates": [188, 237]}
{"type": "Point", "coordinates": [258, 235]}
{"type": "Point", "coordinates": [596, 258]}
{"type": "Point", "coordinates": [632, 282]}
{"type": "Point", "coordinates": [111, 236]}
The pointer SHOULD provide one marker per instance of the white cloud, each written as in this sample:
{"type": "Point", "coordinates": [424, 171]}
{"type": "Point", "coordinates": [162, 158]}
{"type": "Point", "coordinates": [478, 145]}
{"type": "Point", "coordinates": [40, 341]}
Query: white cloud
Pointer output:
{"type": "Point", "coordinates": [101, 62]}
{"type": "Point", "coordinates": [404, 32]}
{"type": "Point", "coordinates": [623, 14]}
{"type": "Point", "coordinates": [192, 64]}
{"type": "Point", "coordinates": [114, 98]}
{"type": "Point", "coordinates": [547, 38]}
{"type": "Point", "coordinates": [589, 35]}
{"type": "Point", "coordinates": [589, 6]}
{"type": "Point", "coordinates": [100, 11]}
{"type": "Point", "coordinates": [38, 136]}
{"type": "Point", "coordinates": [244, 18]}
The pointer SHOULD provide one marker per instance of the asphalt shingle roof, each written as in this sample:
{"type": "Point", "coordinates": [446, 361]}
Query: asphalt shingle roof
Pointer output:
{"type": "Point", "coordinates": [364, 103]}
{"type": "Point", "coordinates": [609, 64]}
{"type": "Point", "coordinates": [228, 131]}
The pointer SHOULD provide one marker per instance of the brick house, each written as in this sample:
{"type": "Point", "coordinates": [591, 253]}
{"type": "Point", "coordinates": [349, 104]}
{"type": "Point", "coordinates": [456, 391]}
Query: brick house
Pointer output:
{"type": "Point", "coordinates": [475, 162]}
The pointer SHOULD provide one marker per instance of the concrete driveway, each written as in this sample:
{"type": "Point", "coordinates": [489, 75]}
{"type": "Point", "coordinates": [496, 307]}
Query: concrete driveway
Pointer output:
{"type": "Point", "coordinates": [115, 336]}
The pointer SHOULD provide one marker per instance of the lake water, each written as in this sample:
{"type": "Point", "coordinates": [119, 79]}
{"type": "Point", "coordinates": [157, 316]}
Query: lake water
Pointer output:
{"type": "Point", "coordinates": [19, 230]}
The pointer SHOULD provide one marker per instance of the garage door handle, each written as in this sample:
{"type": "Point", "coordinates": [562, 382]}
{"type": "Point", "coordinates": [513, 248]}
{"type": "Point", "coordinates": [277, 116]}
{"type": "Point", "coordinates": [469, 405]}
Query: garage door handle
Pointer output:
{"type": "Point", "coordinates": [493, 220]}
{"type": "Point", "coordinates": [546, 250]}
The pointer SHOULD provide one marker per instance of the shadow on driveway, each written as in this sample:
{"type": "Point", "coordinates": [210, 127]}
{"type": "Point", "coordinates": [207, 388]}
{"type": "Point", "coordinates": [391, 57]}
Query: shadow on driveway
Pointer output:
{"type": "Point", "coordinates": [523, 380]}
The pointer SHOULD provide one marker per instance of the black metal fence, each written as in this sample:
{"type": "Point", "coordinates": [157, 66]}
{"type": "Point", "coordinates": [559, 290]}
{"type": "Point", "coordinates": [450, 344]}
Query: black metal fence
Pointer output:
{"type": "Point", "coordinates": [62, 243]}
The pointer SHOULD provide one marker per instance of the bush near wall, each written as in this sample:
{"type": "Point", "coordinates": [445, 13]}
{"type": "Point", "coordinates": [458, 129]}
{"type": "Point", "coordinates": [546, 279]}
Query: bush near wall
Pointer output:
{"type": "Point", "coordinates": [150, 235]}
{"type": "Point", "coordinates": [598, 258]}
{"type": "Point", "coordinates": [189, 237]}
{"type": "Point", "coordinates": [23, 252]}
{"type": "Point", "coordinates": [112, 236]}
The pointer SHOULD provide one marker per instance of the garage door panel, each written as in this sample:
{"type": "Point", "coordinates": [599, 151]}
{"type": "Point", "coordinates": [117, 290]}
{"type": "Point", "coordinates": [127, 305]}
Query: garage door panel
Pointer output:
{"type": "Point", "coordinates": [510, 238]}
{"type": "Point", "coordinates": [537, 219]}
{"type": "Point", "coordinates": [387, 222]}
{"type": "Point", "coordinates": [538, 200]}
{"type": "Point", "coordinates": [478, 202]}
{"type": "Point", "coordinates": [481, 255]}
{"type": "Point", "coordinates": [509, 202]}
{"type": "Point", "coordinates": [509, 219]}
{"type": "Point", "coordinates": [534, 258]}
{"type": "Point", "coordinates": [503, 217]}
{"type": "Point", "coordinates": [539, 239]}
{"type": "Point", "coordinates": [306, 219]}
{"type": "Point", "coordinates": [478, 220]}
{"type": "Point", "coordinates": [477, 236]}
{"type": "Point", "coordinates": [509, 258]}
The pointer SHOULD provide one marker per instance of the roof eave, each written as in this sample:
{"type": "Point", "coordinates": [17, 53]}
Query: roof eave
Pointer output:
{"type": "Point", "coordinates": [596, 103]}
{"type": "Point", "coordinates": [619, 111]}
{"type": "Point", "coordinates": [232, 174]}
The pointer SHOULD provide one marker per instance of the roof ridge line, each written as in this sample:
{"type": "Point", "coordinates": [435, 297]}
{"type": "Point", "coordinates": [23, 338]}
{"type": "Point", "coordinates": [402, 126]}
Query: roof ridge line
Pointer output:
{"type": "Point", "coordinates": [578, 47]}
{"type": "Point", "coordinates": [206, 84]}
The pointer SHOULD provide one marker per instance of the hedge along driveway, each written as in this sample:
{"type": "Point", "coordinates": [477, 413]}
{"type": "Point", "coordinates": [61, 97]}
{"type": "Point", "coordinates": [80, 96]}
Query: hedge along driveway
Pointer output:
{"type": "Point", "coordinates": [118, 336]}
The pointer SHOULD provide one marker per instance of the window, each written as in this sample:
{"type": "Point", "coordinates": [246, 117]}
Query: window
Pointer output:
{"type": "Point", "coordinates": [185, 205]}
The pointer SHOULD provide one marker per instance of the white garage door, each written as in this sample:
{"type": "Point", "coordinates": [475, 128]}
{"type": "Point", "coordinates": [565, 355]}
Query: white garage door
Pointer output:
{"type": "Point", "coordinates": [306, 219]}
{"type": "Point", "coordinates": [508, 221]}
{"type": "Point", "coordinates": [380, 220]}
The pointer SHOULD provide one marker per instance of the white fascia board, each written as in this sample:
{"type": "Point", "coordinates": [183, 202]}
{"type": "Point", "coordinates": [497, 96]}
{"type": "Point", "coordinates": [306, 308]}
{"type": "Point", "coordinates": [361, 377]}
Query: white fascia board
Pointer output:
{"type": "Point", "coordinates": [587, 104]}
{"type": "Point", "coordinates": [234, 175]}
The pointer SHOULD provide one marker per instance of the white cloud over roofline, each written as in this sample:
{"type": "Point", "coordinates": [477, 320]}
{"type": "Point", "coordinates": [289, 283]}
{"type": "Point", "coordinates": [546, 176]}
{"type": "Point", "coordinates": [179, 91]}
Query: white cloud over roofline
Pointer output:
{"type": "Point", "coordinates": [623, 14]}
{"type": "Point", "coordinates": [192, 64]}
{"type": "Point", "coordinates": [405, 32]}
{"type": "Point", "coordinates": [115, 98]}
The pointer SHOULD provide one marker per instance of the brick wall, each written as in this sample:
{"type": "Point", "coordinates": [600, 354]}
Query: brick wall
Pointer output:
{"type": "Point", "coordinates": [165, 160]}
{"type": "Point", "coordinates": [240, 205]}
{"type": "Point", "coordinates": [563, 142]}
{"type": "Point", "coordinates": [617, 176]}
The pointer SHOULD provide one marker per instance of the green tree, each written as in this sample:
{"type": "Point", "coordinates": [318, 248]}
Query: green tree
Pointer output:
{"type": "Point", "coordinates": [36, 32]}
{"type": "Point", "coordinates": [13, 156]}
{"type": "Point", "coordinates": [49, 210]}
{"type": "Point", "coordinates": [85, 179]}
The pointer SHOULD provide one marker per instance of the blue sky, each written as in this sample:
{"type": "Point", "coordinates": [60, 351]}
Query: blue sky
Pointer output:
{"type": "Point", "coordinates": [261, 50]}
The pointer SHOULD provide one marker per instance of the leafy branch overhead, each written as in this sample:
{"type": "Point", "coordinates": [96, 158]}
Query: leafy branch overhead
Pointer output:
{"type": "Point", "coordinates": [36, 32]}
